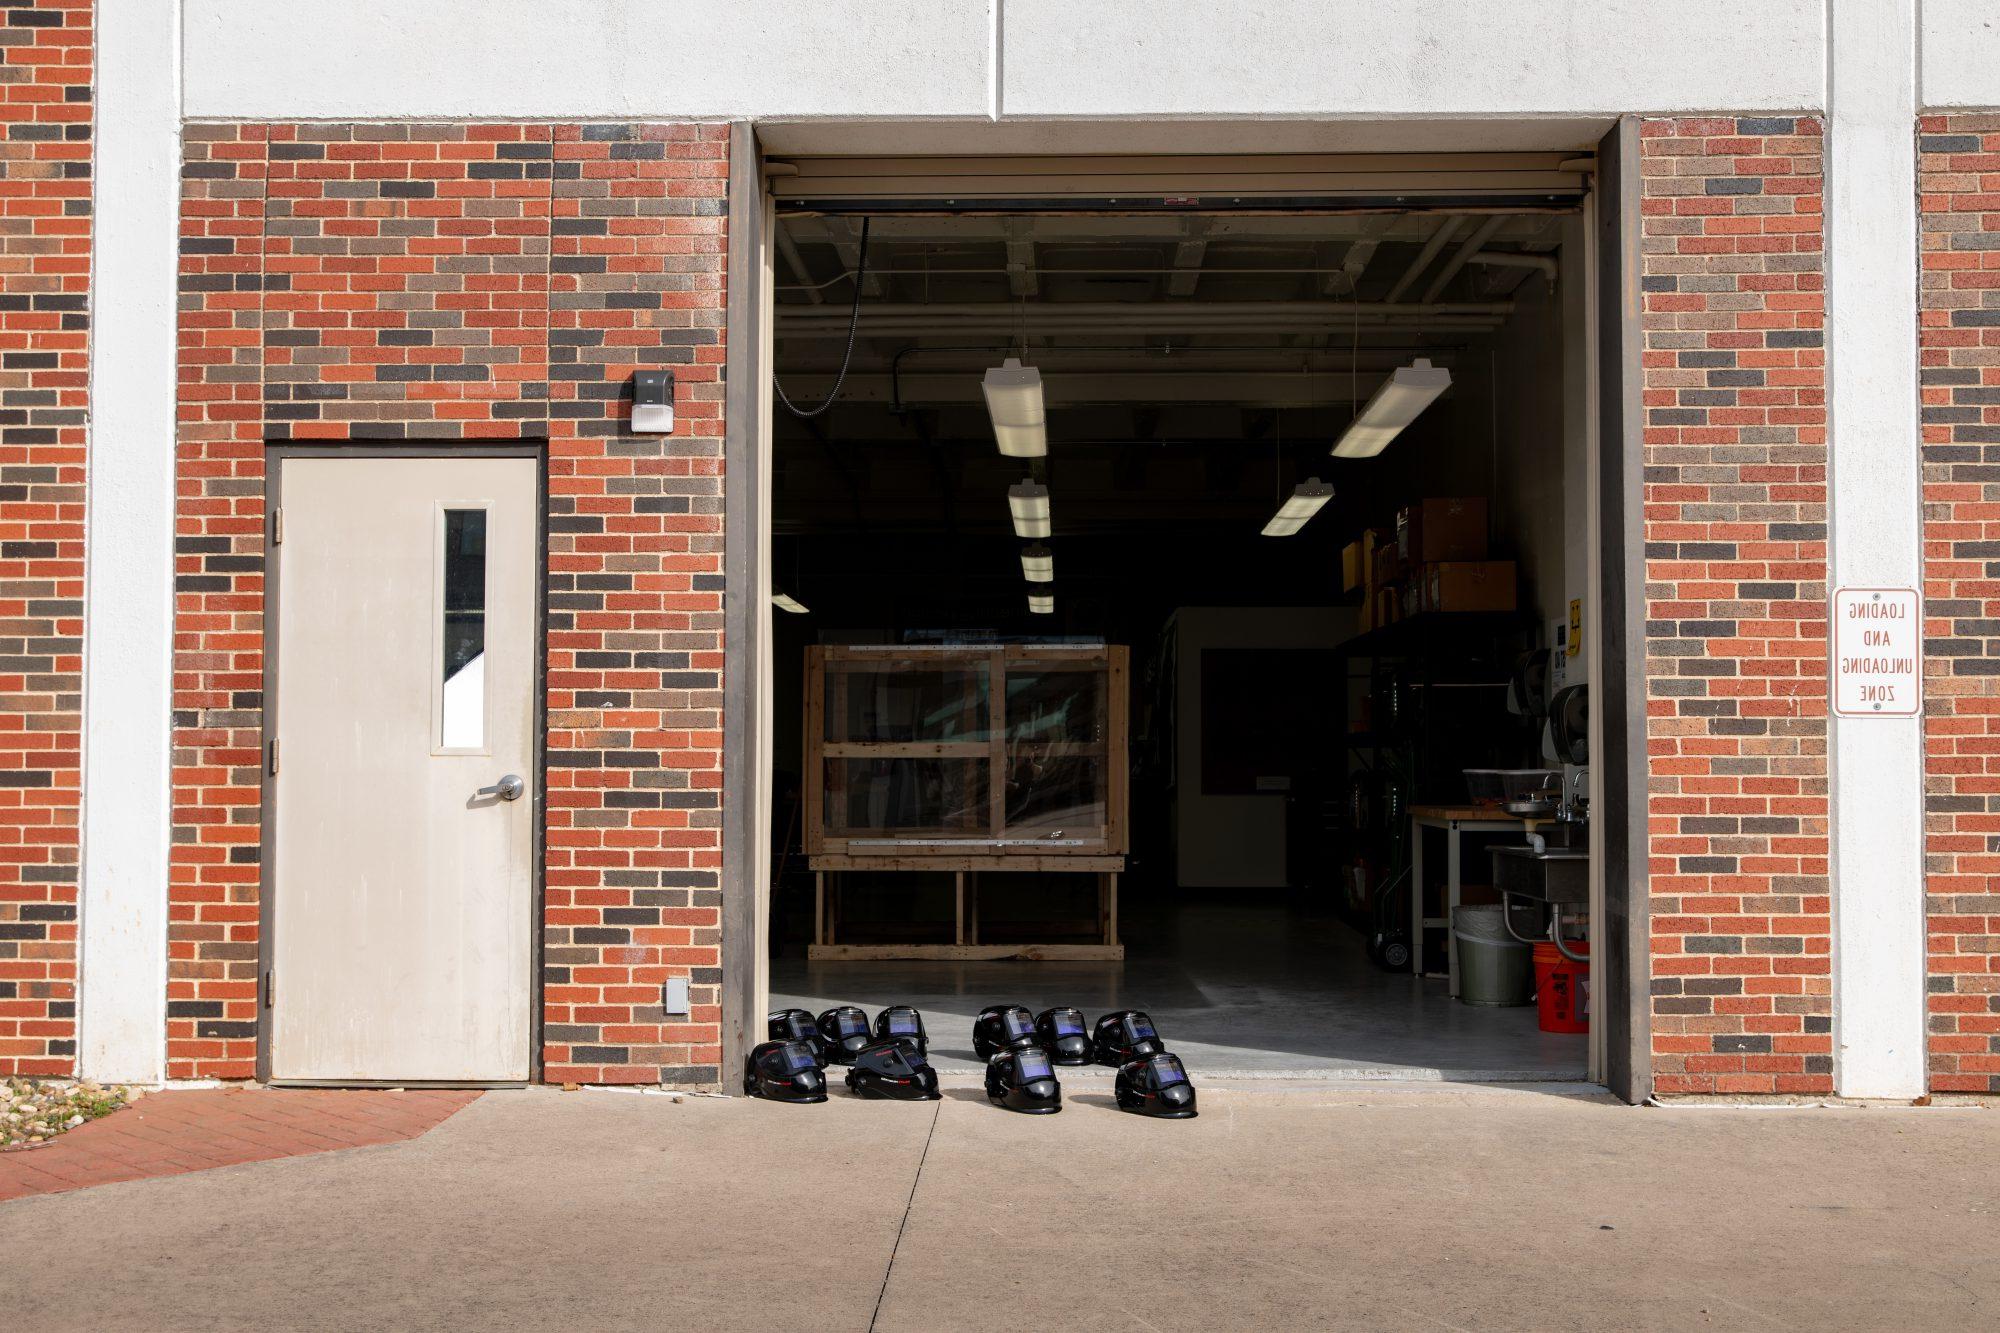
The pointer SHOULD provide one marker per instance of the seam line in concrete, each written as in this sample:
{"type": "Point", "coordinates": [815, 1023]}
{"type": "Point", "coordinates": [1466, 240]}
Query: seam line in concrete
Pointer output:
{"type": "Point", "coordinates": [908, 1204]}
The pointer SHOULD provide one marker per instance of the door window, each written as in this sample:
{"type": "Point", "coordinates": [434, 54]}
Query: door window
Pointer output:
{"type": "Point", "coordinates": [462, 697]}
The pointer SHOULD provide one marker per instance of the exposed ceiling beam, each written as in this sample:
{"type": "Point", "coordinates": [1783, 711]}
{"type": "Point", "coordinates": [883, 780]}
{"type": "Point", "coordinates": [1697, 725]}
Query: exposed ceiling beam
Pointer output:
{"type": "Point", "coordinates": [1480, 235]}
{"type": "Point", "coordinates": [1355, 263]}
{"type": "Point", "coordinates": [789, 248]}
{"type": "Point", "coordinates": [1023, 279]}
{"type": "Point", "coordinates": [1437, 242]}
{"type": "Point", "coordinates": [844, 234]}
{"type": "Point", "coordinates": [1188, 253]}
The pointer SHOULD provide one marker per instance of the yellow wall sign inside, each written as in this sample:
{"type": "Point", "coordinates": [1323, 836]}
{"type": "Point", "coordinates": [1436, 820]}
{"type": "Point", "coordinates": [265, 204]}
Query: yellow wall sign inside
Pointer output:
{"type": "Point", "coordinates": [1575, 644]}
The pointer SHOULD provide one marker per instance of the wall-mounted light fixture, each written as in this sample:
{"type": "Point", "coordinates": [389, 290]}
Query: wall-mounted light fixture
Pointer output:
{"type": "Point", "coordinates": [1014, 401]}
{"type": "Point", "coordinates": [1307, 499]}
{"type": "Point", "coordinates": [653, 402]}
{"type": "Point", "coordinates": [1396, 404]}
{"type": "Point", "coordinates": [1038, 564]}
{"type": "Point", "coordinates": [1028, 502]}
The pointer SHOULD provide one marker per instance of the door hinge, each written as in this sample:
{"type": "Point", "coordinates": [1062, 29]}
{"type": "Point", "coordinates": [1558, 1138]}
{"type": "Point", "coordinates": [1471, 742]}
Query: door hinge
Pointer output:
{"type": "Point", "coordinates": [269, 990]}
{"type": "Point", "coordinates": [278, 526]}
{"type": "Point", "coordinates": [274, 758]}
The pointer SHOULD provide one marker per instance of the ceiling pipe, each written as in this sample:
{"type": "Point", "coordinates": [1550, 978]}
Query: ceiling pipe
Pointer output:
{"type": "Point", "coordinates": [1480, 236]}
{"type": "Point", "coordinates": [1437, 242]}
{"type": "Point", "coordinates": [1542, 264]}
{"type": "Point", "coordinates": [1102, 329]}
{"type": "Point", "coordinates": [1039, 310]}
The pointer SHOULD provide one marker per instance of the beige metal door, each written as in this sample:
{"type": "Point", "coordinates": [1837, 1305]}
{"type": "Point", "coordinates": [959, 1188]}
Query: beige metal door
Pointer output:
{"type": "Point", "coordinates": [402, 879]}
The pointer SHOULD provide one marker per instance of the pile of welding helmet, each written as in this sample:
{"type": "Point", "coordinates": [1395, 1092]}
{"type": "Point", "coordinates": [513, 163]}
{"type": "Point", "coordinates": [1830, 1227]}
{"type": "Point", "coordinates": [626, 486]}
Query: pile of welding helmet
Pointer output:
{"type": "Point", "coordinates": [1021, 1056]}
{"type": "Point", "coordinates": [886, 1060]}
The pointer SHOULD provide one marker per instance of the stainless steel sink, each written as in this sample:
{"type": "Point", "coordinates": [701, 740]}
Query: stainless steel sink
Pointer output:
{"type": "Point", "coordinates": [1555, 875]}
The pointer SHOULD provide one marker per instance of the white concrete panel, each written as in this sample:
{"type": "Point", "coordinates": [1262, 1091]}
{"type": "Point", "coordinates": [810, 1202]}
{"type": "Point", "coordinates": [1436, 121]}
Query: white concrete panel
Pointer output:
{"type": "Point", "coordinates": [587, 58]}
{"type": "Point", "coordinates": [1409, 57]}
{"type": "Point", "coordinates": [1878, 894]}
{"type": "Point", "coordinates": [128, 597]}
{"type": "Point", "coordinates": [1961, 54]}
{"type": "Point", "coordinates": [863, 59]}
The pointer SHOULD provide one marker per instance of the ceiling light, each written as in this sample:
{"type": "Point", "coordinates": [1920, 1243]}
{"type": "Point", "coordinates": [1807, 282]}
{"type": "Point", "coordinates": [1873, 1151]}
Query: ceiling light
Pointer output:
{"type": "Point", "coordinates": [1395, 405]}
{"type": "Point", "coordinates": [1014, 401]}
{"type": "Point", "coordinates": [1308, 498]}
{"type": "Point", "coordinates": [787, 602]}
{"type": "Point", "coordinates": [1029, 504]}
{"type": "Point", "coordinates": [1038, 564]}
{"type": "Point", "coordinates": [1042, 603]}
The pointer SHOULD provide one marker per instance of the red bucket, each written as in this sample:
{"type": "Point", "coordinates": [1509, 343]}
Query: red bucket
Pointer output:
{"type": "Point", "coordinates": [1562, 988]}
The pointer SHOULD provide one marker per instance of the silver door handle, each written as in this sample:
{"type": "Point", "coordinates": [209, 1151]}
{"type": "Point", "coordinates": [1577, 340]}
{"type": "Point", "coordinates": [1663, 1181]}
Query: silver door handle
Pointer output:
{"type": "Point", "coordinates": [508, 788]}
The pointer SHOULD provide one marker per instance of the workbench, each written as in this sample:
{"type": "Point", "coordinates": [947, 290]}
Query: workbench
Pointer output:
{"type": "Point", "coordinates": [1454, 821]}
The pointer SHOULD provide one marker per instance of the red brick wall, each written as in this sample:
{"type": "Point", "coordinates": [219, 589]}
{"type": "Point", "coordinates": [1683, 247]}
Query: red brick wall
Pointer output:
{"type": "Point", "coordinates": [1735, 524]}
{"type": "Point", "coordinates": [45, 155]}
{"type": "Point", "coordinates": [472, 282]}
{"type": "Point", "coordinates": [1959, 342]}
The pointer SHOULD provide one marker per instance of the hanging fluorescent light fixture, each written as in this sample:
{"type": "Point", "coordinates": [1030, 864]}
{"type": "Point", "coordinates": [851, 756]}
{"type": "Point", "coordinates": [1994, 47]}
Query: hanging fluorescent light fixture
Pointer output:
{"type": "Point", "coordinates": [786, 602]}
{"type": "Point", "coordinates": [1400, 400]}
{"type": "Point", "coordinates": [1028, 502]}
{"type": "Point", "coordinates": [1308, 498]}
{"type": "Point", "coordinates": [1042, 603]}
{"type": "Point", "coordinates": [1014, 401]}
{"type": "Point", "coordinates": [1038, 564]}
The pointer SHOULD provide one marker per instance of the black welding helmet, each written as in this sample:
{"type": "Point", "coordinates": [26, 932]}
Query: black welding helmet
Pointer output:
{"type": "Point", "coordinates": [1062, 1033]}
{"type": "Point", "coordinates": [1156, 1085]}
{"type": "Point", "coordinates": [845, 1031]}
{"type": "Point", "coordinates": [797, 1025]}
{"type": "Point", "coordinates": [900, 1020]}
{"type": "Point", "coordinates": [893, 1070]}
{"type": "Point", "coordinates": [1124, 1037]}
{"type": "Point", "coordinates": [1024, 1081]}
{"type": "Point", "coordinates": [1002, 1027]}
{"type": "Point", "coordinates": [783, 1071]}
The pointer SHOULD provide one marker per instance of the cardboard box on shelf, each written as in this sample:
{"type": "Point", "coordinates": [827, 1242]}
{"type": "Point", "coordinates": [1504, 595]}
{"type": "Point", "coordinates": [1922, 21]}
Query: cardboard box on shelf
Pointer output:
{"type": "Point", "coordinates": [1352, 569]}
{"type": "Point", "coordinates": [1378, 557]}
{"type": "Point", "coordinates": [1469, 585]}
{"type": "Point", "coordinates": [1442, 529]}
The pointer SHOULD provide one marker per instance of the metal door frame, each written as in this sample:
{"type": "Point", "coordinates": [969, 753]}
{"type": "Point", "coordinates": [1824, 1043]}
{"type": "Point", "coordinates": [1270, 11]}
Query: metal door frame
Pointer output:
{"type": "Point", "coordinates": [275, 456]}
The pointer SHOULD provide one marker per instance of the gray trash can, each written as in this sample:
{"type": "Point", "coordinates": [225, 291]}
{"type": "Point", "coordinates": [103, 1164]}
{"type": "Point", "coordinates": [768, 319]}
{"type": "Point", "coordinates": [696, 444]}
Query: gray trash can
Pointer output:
{"type": "Point", "coordinates": [1494, 968]}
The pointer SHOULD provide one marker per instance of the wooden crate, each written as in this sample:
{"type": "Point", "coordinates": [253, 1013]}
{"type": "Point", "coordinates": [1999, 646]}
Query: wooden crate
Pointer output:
{"type": "Point", "coordinates": [966, 758]}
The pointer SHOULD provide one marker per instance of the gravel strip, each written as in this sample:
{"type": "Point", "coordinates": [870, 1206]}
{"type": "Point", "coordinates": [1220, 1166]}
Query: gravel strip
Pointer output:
{"type": "Point", "coordinates": [34, 1110]}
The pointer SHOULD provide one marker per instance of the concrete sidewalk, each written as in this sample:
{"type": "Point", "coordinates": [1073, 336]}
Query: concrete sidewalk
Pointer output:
{"type": "Point", "coordinates": [1318, 1206]}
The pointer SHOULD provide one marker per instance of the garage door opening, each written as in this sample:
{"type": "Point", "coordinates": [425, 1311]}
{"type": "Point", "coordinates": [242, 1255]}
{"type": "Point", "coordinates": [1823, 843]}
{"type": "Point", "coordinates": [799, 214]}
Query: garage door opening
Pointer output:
{"type": "Point", "coordinates": [1203, 689]}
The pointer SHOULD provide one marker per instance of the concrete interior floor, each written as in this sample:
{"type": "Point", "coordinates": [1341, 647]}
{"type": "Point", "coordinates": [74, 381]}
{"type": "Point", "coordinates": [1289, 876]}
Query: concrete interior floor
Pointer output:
{"type": "Point", "coordinates": [1238, 989]}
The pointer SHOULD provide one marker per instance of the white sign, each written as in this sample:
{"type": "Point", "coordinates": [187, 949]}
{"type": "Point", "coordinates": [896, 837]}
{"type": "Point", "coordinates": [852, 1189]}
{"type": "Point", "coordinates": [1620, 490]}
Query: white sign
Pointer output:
{"type": "Point", "coordinates": [1878, 657]}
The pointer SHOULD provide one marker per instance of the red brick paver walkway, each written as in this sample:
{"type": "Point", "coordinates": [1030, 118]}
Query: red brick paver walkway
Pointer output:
{"type": "Point", "coordinates": [167, 1133]}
